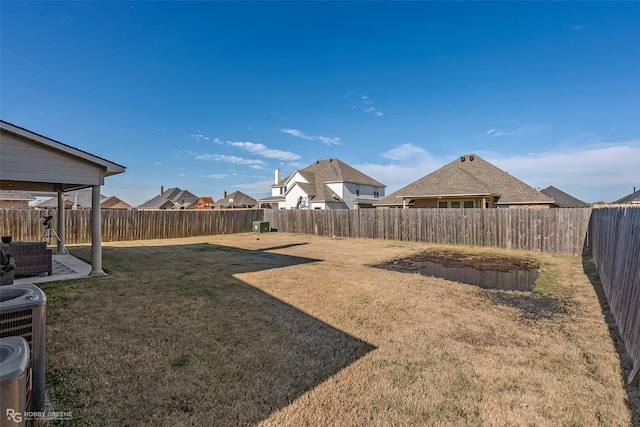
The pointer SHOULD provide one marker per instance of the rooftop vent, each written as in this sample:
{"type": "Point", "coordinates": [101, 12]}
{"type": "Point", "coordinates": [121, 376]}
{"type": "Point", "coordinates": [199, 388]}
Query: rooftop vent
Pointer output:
{"type": "Point", "coordinates": [462, 159]}
{"type": "Point", "coordinates": [471, 158]}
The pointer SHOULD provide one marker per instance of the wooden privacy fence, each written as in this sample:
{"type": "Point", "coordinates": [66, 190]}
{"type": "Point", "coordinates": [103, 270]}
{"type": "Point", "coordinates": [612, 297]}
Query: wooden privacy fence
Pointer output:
{"type": "Point", "coordinates": [26, 224]}
{"type": "Point", "coordinates": [561, 231]}
{"type": "Point", "coordinates": [615, 248]}
{"type": "Point", "coordinates": [610, 235]}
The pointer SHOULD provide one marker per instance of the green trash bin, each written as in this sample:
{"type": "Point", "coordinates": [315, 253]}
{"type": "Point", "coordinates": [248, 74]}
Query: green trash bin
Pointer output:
{"type": "Point", "coordinates": [260, 226]}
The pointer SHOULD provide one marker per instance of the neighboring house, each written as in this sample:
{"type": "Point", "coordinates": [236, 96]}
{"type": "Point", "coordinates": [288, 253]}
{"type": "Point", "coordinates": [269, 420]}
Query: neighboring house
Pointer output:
{"type": "Point", "coordinates": [632, 199]}
{"type": "Point", "coordinates": [237, 199]}
{"type": "Point", "coordinates": [81, 199]}
{"type": "Point", "coordinates": [13, 199]}
{"type": "Point", "coordinates": [173, 198]}
{"type": "Point", "coordinates": [113, 202]}
{"type": "Point", "coordinates": [467, 182]}
{"type": "Point", "coordinates": [203, 203]}
{"type": "Point", "coordinates": [564, 200]}
{"type": "Point", "coordinates": [325, 184]}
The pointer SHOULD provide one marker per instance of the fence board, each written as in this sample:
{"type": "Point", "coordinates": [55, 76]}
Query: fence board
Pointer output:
{"type": "Point", "coordinates": [614, 244]}
{"type": "Point", "coordinates": [26, 224]}
{"type": "Point", "coordinates": [543, 230]}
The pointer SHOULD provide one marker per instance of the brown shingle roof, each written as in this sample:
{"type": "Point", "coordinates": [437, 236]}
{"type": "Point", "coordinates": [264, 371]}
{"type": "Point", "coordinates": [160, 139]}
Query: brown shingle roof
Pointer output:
{"type": "Point", "coordinates": [335, 170]}
{"type": "Point", "coordinates": [466, 176]}
{"type": "Point", "coordinates": [239, 200]}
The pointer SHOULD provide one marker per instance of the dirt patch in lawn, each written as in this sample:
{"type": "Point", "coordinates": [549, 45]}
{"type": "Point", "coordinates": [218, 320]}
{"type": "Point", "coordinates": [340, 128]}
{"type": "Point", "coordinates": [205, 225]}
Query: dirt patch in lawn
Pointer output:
{"type": "Point", "coordinates": [479, 269]}
{"type": "Point", "coordinates": [532, 306]}
{"type": "Point", "coordinates": [499, 273]}
{"type": "Point", "coordinates": [477, 261]}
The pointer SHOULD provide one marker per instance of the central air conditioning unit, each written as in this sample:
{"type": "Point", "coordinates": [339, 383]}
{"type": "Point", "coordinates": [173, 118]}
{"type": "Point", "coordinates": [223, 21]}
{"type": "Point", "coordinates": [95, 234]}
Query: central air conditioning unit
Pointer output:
{"type": "Point", "coordinates": [23, 313]}
{"type": "Point", "coordinates": [15, 380]}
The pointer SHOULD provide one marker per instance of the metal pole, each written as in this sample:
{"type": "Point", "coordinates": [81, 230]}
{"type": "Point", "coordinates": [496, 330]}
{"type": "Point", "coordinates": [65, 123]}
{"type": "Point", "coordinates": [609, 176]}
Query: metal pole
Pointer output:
{"type": "Point", "coordinates": [60, 248]}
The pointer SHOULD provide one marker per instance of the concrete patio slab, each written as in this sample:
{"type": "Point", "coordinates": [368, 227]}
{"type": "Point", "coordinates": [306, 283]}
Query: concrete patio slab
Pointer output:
{"type": "Point", "coordinates": [64, 267]}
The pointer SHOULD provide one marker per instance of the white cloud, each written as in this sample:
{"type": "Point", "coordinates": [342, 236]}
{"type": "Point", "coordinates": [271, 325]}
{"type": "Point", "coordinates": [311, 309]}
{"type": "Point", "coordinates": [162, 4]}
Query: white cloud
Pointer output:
{"type": "Point", "coordinates": [297, 133]}
{"type": "Point", "coordinates": [257, 189]}
{"type": "Point", "coordinates": [409, 163]}
{"type": "Point", "coordinates": [591, 173]}
{"type": "Point", "coordinates": [405, 152]}
{"type": "Point", "coordinates": [327, 140]}
{"type": "Point", "coordinates": [592, 166]}
{"type": "Point", "coordinates": [253, 163]}
{"type": "Point", "coordinates": [216, 176]}
{"type": "Point", "coordinates": [369, 106]}
{"type": "Point", "coordinates": [495, 132]}
{"type": "Point", "coordinates": [199, 137]}
{"type": "Point", "coordinates": [262, 150]}
{"type": "Point", "coordinates": [297, 165]}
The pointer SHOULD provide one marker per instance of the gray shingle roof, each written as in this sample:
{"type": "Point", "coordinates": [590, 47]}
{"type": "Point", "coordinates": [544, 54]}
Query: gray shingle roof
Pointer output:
{"type": "Point", "coordinates": [239, 200]}
{"type": "Point", "coordinates": [629, 198]}
{"type": "Point", "coordinates": [472, 176]}
{"type": "Point", "coordinates": [15, 195]}
{"type": "Point", "coordinates": [81, 197]}
{"type": "Point", "coordinates": [335, 170]}
{"type": "Point", "coordinates": [563, 199]}
{"type": "Point", "coordinates": [170, 199]}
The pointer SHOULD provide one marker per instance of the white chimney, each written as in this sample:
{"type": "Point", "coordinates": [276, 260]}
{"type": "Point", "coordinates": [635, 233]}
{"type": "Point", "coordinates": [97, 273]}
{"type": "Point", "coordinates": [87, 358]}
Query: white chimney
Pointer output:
{"type": "Point", "coordinates": [277, 175]}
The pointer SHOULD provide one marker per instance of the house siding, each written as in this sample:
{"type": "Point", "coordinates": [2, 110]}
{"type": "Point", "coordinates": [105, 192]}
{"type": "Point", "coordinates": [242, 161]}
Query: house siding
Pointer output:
{"type": "Point", "coordinates": [291, 199]}
{"type": "Point", "coordinates": [23, 160]}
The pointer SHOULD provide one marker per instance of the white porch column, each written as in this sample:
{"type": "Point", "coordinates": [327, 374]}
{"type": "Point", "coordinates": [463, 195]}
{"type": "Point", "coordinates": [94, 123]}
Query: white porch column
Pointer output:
{"type": "Point", "coordinates": [60, 248]}
{"type": "Point", "coordinates": [484, 203]}
{"type": "Point", "coordinates": [96, 235]}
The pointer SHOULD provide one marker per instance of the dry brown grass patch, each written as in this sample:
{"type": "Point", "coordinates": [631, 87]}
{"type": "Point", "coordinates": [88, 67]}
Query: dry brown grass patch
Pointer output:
{"type": "Point", "coordinates": [285, 329]}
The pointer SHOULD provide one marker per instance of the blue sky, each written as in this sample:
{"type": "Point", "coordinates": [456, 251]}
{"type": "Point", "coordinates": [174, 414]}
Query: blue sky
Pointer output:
{"type": "Point", "coordinates": [213, 96]}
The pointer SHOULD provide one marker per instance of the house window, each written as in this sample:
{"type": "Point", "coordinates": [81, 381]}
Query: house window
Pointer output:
{"type": "Point", "coordinates": [443, 204]}
{"type": "Point", "coordinates": [357, 189]}
{"type": "Point", "coordinates": [455, 205]}
{"type": "Point", "coordinates": [468, 204]}
{"type": "Point", "coordinates": [376, 192]}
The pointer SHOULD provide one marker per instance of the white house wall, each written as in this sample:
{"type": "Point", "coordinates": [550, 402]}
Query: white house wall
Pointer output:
{"type": "Point", "coordinates": [23, 160]}
{"type": "Point", "coordinates": [318, 205]}
{"type": "Point", "coordinates": [365, 192]}
{"type": "Point", "coordinates": [291, 199]}
{"type": "Point", "coordinates": [296, 177]}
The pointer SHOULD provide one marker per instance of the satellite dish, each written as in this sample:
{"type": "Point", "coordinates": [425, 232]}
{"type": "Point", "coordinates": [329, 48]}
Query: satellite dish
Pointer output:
{"type": "Point", "coordinates": [230, 200]}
